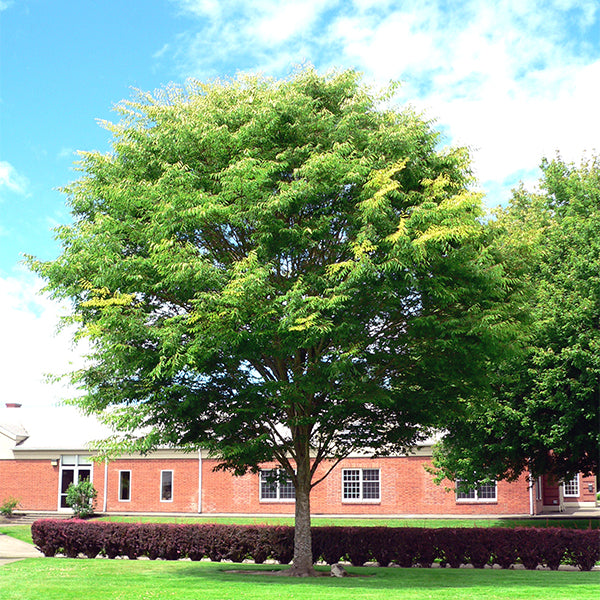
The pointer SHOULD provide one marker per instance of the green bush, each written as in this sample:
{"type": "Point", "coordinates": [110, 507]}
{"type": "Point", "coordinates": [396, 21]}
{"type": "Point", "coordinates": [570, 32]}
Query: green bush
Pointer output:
{"type": "Point", "coordinates": [7, 507]}
{"type": "Point", "coordinates": [81, 498]}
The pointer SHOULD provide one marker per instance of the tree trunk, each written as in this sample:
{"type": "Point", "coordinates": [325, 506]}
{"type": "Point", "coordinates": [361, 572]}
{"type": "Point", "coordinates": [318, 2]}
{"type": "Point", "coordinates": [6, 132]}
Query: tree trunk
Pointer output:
{"type": "Point", "coordinates": [302, 565]}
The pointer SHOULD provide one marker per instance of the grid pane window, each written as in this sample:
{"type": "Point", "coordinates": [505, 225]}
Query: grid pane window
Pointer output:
{"type": "Point", "coordinates": [274, 485]}
{"type": "Point", "coordinates": [351, 484]}
{"type": "Point", "coordinates": [286, 490]}
{"type": "Point", "coordinates": [360, 484]}
{"type": "Point", "coordinates": [466, 495]}
{"type": "Point", "coordinates": [485, 491]}
{"type": "Point", "coordinates": [371, 484]}
{"type": "Point", "coordinates": [268, 488]}
{"type": "Point", "coordinates": [571, 487]}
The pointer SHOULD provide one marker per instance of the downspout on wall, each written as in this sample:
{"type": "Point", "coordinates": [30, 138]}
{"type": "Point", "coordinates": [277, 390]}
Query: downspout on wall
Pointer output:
{"type": "Point", "coordinates": [104, 503]}
{"type": "Point", "coordinates": [531, 484]}
{"type": "Point", "coordinates": [199, 481]}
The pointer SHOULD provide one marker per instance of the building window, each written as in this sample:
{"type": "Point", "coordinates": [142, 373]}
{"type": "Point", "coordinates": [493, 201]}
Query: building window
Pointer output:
{"type": "Point", "coordinates": [360, 485]}
{"type": "Point", "coordinates": [276, 485]}
{"type": "Point", "coordinates": [166, 486]}
{"type": "Point", "coordinates": [124, 486]}
{"type": "Point", "coordinates": [485, 492]}
{"type": "Point", "coordinates": [538, 489]}
{"type": "Point", "coordinates": [571, 487]}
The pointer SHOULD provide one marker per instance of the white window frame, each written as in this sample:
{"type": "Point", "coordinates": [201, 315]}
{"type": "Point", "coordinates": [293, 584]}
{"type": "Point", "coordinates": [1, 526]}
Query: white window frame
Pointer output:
{"type": "Point", "coordinates": [360, 484]}
{"type": "Point", "coordinates": [474, 494]}
{"type": "Point", "coordinates": [76, 463]}
{"type": "Point", "coordinates": [571, 487]}
{"type": "Point", "coordinates": [275, 485]}
{"type": "Point", "coordinates": [162, 474]}
{"type": "Point", "coordinates": [121, 499]}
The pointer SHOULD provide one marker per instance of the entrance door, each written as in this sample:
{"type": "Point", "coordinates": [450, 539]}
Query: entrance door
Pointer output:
{"type": "Point", "coordinates": [73, 469]}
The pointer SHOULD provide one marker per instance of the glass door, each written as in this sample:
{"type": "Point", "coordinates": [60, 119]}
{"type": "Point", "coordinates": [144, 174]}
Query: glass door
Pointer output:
{"type": "Point", "coordinates": [73, 469]}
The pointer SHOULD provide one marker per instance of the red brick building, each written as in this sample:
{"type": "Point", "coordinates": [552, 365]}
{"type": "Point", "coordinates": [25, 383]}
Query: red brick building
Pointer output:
{"type": "Point", "coordinates": [43, 450]}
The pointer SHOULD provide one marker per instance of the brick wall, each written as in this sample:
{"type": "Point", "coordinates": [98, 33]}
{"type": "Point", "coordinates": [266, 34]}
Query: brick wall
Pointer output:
{"type": "Point", "coordinates": [406, 488]}
{"type": "Point", "coordinates": [145, 485]}
{"type": "Point", "coordinates": [33, 482]}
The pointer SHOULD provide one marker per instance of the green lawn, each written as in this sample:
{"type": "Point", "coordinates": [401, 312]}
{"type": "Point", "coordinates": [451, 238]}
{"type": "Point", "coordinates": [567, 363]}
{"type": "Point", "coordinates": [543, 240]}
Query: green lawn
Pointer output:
{"type": "Point", "coordinates": [68, 579]}
{"type": "Point", "coordinates": [21, 532]}
{"type": "Point", "coordinates": [362, 522]}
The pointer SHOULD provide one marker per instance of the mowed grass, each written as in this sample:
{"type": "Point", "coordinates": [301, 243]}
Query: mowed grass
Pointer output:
{"type": "Point", "coordinates": [71, 579]}
{"type": "Point", "coordinates": [581, 523]}
{"type": "Point", "coordinates": [21, 532]}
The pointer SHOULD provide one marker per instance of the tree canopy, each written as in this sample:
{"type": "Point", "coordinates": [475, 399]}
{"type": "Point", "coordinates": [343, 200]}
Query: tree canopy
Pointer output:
{"type": "Point", "coordinates": [545, 413]}
{"type": "Point", "coordinates": [280, 270]}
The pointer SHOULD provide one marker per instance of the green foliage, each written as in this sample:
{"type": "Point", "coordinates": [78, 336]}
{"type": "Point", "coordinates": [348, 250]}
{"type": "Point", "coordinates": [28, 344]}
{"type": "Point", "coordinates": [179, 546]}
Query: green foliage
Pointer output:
{"type": "Point", "coordinates": [81, 498]}
{"type": "Point", "coordinates": [8, 506]}
{"type": "Point", "coordinates": [275, 270]}
{"type": "Point", "coordinates": [546, 414]}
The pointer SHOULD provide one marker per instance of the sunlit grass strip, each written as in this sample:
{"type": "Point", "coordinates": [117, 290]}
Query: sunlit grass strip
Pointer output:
{"type": "Point", "coordinates": [67, 579]}
{"type": "Point", "coordinates": [20, 532]}
{"type": "Point", "coordinates": [593, 523]}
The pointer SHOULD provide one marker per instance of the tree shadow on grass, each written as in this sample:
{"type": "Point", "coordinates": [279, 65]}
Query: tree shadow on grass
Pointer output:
{"type": "Point", "coordinates": [373, 578]}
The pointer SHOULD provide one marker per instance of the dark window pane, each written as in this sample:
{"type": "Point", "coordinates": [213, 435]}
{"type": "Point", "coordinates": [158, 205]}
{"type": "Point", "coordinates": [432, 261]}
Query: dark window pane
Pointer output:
{"type": "Point", "coordinates": [124, 485]}
{"type": "Point", "coordinates": [166, 486]}
{"type": "Point", "coordinates": [84, 475]}
{"type": "Point", "coordinates": [67, 478]}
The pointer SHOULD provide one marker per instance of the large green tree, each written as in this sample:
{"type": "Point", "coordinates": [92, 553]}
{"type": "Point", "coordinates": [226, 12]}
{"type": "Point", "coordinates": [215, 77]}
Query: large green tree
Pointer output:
{"type": "Point", "coordinates": [279, 270]}
{"type": "Point", "coordinates": [544, 415]}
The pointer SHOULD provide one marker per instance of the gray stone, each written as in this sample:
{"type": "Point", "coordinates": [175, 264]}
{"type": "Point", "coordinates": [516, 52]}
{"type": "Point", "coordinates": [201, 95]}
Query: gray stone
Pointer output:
{"type": "Point", "coordinates": [338, 571]}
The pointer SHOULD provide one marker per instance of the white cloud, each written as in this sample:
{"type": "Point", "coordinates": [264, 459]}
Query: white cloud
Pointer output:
{"type": "Point", "coordinates": [262, 35]}
{"type": "Point", "coordinates": [512, 80]}
{"type": "Point", "coordinates": [282, 21]}
{"type": "Point", "coordinates": [11, 180]}
{"type": "Point", "coordinates": [201, 8]}
{"type": "Point", "coordinates": [31, 347]}
{"type": "Point", "coordinates": [507, 79]}
{"type": "Point", "coordinates": [66, 152]}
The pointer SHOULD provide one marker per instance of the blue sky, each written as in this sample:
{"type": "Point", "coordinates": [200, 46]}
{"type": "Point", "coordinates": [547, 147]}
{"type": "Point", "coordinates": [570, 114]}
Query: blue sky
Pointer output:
{"type": "Point", "coordinates": [513, 80]}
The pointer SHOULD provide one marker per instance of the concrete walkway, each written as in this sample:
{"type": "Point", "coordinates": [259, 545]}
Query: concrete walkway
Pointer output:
{"type": "Point", "coordinates": [12, 549]}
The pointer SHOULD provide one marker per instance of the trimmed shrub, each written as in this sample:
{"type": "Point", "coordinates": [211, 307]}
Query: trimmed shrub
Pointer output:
{"type": "Point", "coordinates": [480, 546]}
{"type": "Point", "coordinates": [280, 540]}
{"type": "Point", "coordinates": [452, 545]}
{"type": "Point", "coordinates": [195, 544]}
{"type": "Point", "coordinates": [583, 548]}
{"type": "Point", "coordinates": [505, 547]}
{"type": "Point", "coordinates": [529, 542]}
{"type": "Point", "coordinates": [386, 541]}
{"type": "Point", "coordinates": [405, 546]}
{"type": "Point", "coordinates": [47, 536]}
{"type": "Point", "coordinates": [554, 547]}
{"type": "Point", "coordinates": [359, 544]}
{"type": "Point", "coordinates": [114, 536]}
{"type": "Point", "coordinates": [328, 544]}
